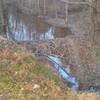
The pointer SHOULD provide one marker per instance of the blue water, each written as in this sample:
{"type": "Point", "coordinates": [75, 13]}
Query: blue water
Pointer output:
{"type": "Point", "coordinates": [22, 34]}
{"type": "Point", "coordinates": [58, 65]}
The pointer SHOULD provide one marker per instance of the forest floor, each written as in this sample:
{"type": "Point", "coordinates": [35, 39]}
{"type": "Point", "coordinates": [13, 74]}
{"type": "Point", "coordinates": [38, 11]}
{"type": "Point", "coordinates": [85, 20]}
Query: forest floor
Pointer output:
{"type": "Point", "coordinates": [23, 78]}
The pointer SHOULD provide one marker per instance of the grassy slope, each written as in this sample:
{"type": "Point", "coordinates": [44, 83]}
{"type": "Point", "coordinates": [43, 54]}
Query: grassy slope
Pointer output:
{"type": "Point", "coordinates": [22, 78]}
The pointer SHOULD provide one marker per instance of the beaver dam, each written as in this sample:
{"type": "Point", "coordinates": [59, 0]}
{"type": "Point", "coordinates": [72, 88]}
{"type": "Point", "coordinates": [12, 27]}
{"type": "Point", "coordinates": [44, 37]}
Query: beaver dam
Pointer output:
{"type": "Point", "coordinates": [66, 30]}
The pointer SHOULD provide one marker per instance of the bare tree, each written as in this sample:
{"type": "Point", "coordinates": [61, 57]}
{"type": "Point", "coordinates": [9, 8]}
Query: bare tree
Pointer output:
{"type": "Point", "coordinates": [93, 11]}
{"type": "Point", "coordinates": [1, 14]}
{"type": "Point", "coordinates": [44, 7]}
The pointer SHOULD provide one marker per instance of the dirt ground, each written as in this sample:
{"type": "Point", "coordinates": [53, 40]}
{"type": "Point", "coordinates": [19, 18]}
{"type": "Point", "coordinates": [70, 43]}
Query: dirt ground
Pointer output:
{"type": "Point", "coordinates": [23, 78]}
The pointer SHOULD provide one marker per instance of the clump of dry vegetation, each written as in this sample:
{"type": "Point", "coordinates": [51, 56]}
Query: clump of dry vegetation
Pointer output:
{"type": "Point", "coordinates": [23, 78]}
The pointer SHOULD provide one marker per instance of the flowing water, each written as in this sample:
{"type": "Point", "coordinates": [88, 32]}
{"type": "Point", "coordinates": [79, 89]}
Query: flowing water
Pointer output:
{"type": "Point", "coordinates": [65, 75]}
{"type": "Point", "coordinates": [28, 28]}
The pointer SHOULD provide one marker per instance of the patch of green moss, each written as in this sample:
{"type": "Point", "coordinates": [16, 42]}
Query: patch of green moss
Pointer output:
{"type": "Point", "coordinates": [4, 63]}
{"type": "Point", "coordinates": [45, 98]}
{"type": "Point", "coordinates": [44, 71]}
{"type": "Point", "coordinates": [17, 49]}
{"type": "Point", "coordinates": [1, 45]}
{"type": "Point", "coordinates": [16, 65]}
{"type": "Point", "coordinates": [28, 59]}
{"type": "Point", "coordinates": [7, 84]}
{"type": "Point", "coordinates": [97, 53]}
{"type": "Point", "coordinates": [98, 27]}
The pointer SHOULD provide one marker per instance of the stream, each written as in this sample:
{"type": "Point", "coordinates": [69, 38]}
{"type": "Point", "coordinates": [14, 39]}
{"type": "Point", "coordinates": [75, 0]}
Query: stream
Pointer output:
{"type": "Point", "coordinates": [64, 74]}
{"type": "Point", "coordinates": [31, 28]}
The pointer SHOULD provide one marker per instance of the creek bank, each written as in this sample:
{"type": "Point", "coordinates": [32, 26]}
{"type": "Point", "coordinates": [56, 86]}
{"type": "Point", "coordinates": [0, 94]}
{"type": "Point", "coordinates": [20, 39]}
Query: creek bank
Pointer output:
{"type": "Point", "coordinates": [73, 50]}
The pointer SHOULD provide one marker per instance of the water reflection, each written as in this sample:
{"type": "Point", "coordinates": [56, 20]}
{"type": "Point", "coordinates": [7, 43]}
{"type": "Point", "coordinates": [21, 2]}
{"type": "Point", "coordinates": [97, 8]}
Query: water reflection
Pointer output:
{"type": "Point", "coordinates": [28, 28]}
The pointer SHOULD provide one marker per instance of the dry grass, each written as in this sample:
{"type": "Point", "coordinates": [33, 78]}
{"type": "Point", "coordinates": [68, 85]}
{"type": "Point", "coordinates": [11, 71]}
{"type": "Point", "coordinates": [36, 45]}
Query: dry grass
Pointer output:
{"type": "Point", "coordinates": [23, 78]}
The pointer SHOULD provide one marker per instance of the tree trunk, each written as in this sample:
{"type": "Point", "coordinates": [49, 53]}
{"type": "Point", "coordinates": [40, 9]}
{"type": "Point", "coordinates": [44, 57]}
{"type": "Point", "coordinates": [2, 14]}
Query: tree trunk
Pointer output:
{"type": "Point", "coordinates": [93, 12]}
{"type": "Point", "coordinates": [1, 16]}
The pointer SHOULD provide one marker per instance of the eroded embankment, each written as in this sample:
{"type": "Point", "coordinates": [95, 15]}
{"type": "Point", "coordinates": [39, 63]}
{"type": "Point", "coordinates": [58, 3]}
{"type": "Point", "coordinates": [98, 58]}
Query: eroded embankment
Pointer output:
{"type": "Point", "coordinates": [23, 78]}
{"type": "Point", "coordinates": [75, 51]}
